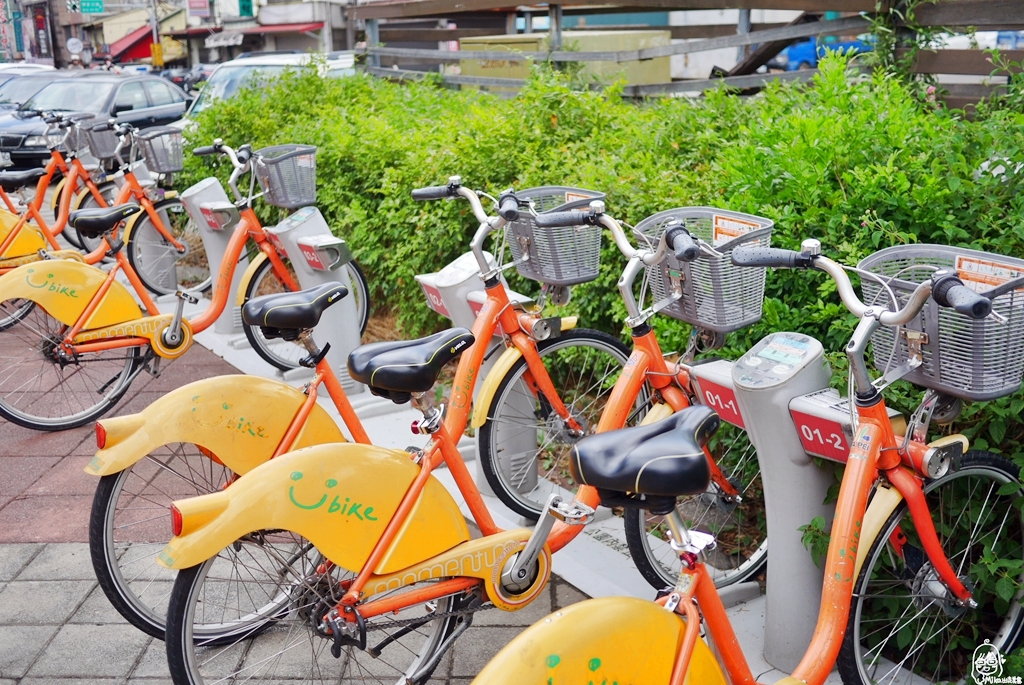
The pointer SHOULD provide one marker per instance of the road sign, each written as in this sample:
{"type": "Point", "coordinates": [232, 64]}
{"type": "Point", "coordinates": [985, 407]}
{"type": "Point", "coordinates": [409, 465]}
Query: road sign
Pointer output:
{"type": "Point", "coordinates": [74, 45]}
{"type": "Point", "coordinates": [92, 6]}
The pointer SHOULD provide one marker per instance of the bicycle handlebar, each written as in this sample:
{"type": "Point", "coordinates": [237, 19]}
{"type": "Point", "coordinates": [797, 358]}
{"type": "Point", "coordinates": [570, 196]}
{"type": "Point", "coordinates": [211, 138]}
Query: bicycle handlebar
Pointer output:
{"type": "Point", "coordinates": [434, 193]}
{"type": "Point", "coordinates": [949, 291]}
{"type": "Point", "coordinates": [508, 206]}
{"type": "Point", "coordinates": [204, 150]}
{"type": "Point", "coordinates": [774, 257]}
{"type": "Point", "coordinates": [570, 218]}
{"type": "Point", "coordinates": [682, 244]}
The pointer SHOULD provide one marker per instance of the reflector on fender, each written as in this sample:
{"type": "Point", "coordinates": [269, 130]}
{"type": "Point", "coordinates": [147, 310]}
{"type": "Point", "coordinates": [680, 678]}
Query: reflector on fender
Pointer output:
{"type": "Point", "coordinates": [176, 521]}
{"type": "Point", "coordinates": [101, 435]}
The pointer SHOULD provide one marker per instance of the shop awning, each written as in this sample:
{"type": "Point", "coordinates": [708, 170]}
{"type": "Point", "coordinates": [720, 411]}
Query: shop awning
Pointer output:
{"type": "Point", "coordinates": [224, 39]}
{"type": "Point", "coordinates": [285, 28]}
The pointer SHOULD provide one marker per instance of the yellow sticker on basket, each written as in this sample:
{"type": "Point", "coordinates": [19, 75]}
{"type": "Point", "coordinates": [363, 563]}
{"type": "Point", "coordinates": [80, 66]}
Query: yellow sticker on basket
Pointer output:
{"type": "Point", "coordinates": [984, 274]}
{"type": "Point", "coordinates": [728, 228]}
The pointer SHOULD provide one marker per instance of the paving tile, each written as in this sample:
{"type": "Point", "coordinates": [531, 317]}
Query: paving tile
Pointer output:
{"type": "Point", "coordinates": [26, 442]}
{"type": "Point", "coordinates": [14, 557]}
{"type": "Point", "coordinates": [97, 610]}
{"type": "Point", "coordinates": [19, 473]}
{"type": "Point", "coordinates": [477, 646]}
{"type": "Point", "coordinates": [46, 518]}
{"type": "Point", "coordinates": [150, 681]}
{"type": "Point", "coordinates": [60, 562]}
{"type": "Point", "coordinates": [75, 680]}
{"type": "Point", "coordinates": [19, 646]}
{"type": "Point", "coordinates": [67, 477]}
{"type": "Point", "coordinates": [154, 662]}
{"type": "Point", "coordinates": [566, 594]}
{"type": "Point", "coordinates": [91, 651]}
{"type": "Point", "coordinates": [42, 602]}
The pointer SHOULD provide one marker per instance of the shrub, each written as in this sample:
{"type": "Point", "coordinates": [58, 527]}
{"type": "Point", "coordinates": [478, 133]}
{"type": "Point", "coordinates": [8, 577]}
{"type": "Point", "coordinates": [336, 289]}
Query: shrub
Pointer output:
{"type": "Point", "coordinates": [858, 162]}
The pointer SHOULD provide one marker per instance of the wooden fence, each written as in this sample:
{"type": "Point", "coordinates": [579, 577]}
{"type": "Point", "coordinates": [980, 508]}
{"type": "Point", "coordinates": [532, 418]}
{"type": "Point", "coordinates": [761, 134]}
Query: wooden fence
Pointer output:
{"type": "Point", "coordinates": [407, 22]}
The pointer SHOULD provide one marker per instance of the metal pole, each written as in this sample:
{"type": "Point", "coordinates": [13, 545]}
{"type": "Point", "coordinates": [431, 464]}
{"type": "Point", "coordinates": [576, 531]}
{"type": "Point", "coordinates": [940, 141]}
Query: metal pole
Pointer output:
{"type": "Point", "coordinates": [510, 24]}
{"type": "Point", "coordinates": [528, 16]}
{"type": "Point", "coordinates": [350, 29]}
{"type": "Point", "coordinates": [742, 27]}
{"type": "Point", "coordinates": [373, 40]}
{"type": "Point", "coordinates": [555, 30]}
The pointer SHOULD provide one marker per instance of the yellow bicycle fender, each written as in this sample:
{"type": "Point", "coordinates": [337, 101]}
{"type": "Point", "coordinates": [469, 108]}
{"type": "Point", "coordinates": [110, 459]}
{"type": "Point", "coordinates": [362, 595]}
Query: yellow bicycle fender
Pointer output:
{"type": "Point", "coordinates": [340, 497]}
{"type": "Point", "coordinates": [247, 276]}
{"type": "Point", "coordinates": [490, 385]}
{"type": "Point", "coordinates": [27, 243]}
{"type": "Point", "coordinates": [657, 413]}
{"type": "Point", "coordinates": [609, 640]}
{"type": "Point", "coordinates": [501, 367]}
{"type": "Point", "coordinates": [239, 419]}
{"type": "Point", "coordinates": [55, 198]}
{"type": "Point", "coordinates": [64, 288]}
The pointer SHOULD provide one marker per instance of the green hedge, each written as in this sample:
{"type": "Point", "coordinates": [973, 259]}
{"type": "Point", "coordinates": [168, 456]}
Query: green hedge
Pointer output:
{"type": "Point", "coordinates": [860, 163]}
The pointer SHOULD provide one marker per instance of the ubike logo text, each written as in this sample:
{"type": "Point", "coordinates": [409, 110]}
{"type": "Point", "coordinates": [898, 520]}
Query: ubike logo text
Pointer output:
{"type": "Point", "coordinates": [347, 508]}
{"type": "Point", "coordinates": [478, 563]}
{"type": "Point", "coordinates": [50, 285]}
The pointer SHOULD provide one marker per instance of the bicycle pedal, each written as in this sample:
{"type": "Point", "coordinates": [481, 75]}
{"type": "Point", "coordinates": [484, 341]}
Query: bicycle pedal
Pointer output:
{"type": "Point", "coordinates": [182, 295]}
{"type": "Point", "coordinates": [572, 513]}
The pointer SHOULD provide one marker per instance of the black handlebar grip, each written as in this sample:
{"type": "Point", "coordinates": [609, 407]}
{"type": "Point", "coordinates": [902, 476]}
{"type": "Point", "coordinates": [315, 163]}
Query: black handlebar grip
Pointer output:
{"type": "Point", "coordinates": [556, 219]}
{"type": "Point", "coordinates": [432, 193]}
{"type": "Point", "coordinates": [51, 119]}
{"type": "Point", "coordinates": [244, 154]}
{"type": "Point", "coordinates": [508, 206]}
{"type": "Point", "coordinates": [770, 256]}
{"type": "Point", "coordinates": [204, 150]}
{"type": "Point", "coordinates": [949, 291]}
{"type": "Point", "coordinates": [103, 126]}
{"type": "Point", "coordinates": [681, 242]}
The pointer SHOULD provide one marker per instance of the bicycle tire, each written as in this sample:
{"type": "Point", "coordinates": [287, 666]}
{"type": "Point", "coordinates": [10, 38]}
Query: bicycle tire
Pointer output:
{"type": "Point", "coordinates": [742, 549]}
{"type": "Point", "coordinates": [875, 642]}
{"type": "Point", "coordinates": [130, 524]}
{"type": "Point", "coordinates": [522, 480]}
{"type": "Point", "coordinates": [283, 354]}
{"type": "Point", "coordinates": [42, 392]}
{"type": "Point", "coordinates": [157, 262]}
{"type": "Point", "coordinates": [13, 311]}
{"type": "Point", "coordinates": [293, 607]}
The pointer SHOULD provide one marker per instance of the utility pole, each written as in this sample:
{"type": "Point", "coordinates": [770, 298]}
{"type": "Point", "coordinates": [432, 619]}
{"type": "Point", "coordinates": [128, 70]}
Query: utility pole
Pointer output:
{"type": "Point", "coordinates": [156, 50]}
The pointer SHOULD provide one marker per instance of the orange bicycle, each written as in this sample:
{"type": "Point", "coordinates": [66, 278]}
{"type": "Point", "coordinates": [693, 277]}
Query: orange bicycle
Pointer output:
{"type": "Point", "coordinates": [925, 537]}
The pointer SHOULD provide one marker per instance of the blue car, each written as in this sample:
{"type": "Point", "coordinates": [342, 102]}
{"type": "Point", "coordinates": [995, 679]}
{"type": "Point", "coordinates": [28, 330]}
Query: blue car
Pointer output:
{"type": "Point", "coordinates": [805, 55]}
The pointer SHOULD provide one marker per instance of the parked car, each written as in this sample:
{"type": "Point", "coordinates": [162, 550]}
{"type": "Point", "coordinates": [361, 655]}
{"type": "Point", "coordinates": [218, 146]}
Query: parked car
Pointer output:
{"type": "Point", "coordinates": [231, 76]}
{"type": "Point", "coordinates": [143, 101]}
{"type": "Point", "coordinates": [19, 89]}
{"type": "Point", "coordinates": [176, 76]}
{"type": "Point", "coordinates": [805, 55]}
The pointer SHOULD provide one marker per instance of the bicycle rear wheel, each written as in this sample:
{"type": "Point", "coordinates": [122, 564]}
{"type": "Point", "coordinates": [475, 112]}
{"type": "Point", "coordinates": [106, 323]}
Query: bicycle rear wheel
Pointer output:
{"type": "Point", "coordinates": [739, 528]}
{"type": "Point", "coordinates": [161, 267]}
{"type": "Point", "coordinates": [524, 444]}
{"type": "Point", "coordinates": [43, 389]}
{"type": "Point", "coordinates": [284, 354]}
{"type": "Point", "coordinates": [904, 625]}
{"type": "Point", "coordinates": [131, 523]}
{"type": "Point", "coordinates": [271, 606]}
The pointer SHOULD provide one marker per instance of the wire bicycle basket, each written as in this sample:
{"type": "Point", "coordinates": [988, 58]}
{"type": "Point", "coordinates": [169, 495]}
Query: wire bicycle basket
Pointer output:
{"type": "Point", "coordinates": [710, 292]}
{"type": "Point", "coordinates": [162, 149]}
{"type": "Point", "coordinates": [963, 357]}
{"type": "Point", "coordinates": [103, 143]}
{"type": "Point", "coordinates": [76, 140]}
{"type": "Point", "coordinates": [287, 175]}
{"type": "Point", "coordinates": [565, 255]}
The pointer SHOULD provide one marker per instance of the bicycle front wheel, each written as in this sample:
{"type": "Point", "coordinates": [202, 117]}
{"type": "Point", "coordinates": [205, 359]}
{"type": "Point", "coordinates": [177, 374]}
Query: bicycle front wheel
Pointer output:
{"type": "Point", "coordinates": [43, 388]}
{"type": "Point", "coordinates": [131, 523]}
{"type": "Point", "coordinates": [739, 527]}
{"type": "Point", "coordinates": [524, 444]}
{"type": "Point", "coordinates": [904, 625]}
{"type": "Point", "coordinates": [284, 354]}
{"type": "Point", "coordinates": [162, 267]}
{"type": "Point", "coordinates": [273, 602]}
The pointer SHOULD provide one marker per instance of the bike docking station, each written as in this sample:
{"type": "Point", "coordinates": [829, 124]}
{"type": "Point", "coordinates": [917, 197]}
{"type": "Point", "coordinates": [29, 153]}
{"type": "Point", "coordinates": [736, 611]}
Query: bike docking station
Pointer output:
{"type": "Point", "coordinates": [317, 256]}
{"type": "Point", "coordinates": [779, 393]}
{"type": "Point", "coordinates": [216, 216]}
{"type": "Point", "coordinates": [456, 292]}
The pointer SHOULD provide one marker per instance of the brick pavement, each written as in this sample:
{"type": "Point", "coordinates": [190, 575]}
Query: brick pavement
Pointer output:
{"type": "Point", "coordinates": [56, 625]}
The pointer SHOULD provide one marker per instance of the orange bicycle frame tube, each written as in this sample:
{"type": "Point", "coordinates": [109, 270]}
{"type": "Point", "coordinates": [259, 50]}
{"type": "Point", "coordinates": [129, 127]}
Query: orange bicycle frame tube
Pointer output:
{"type": "Point", "coordinates": [222, 287]}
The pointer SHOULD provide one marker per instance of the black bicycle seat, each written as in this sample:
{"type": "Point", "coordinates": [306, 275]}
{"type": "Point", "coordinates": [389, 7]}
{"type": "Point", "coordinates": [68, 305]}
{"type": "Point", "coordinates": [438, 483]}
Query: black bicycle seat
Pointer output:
{"type": "Point", "coordinates": [92, 223]}
{"type": "Point", "coordinates": [663, 459]}
{"type": "Point", "coordinates": [397, 369]}
{"type": "Point", "coordinates": [283, 315]}
{"type": "Point", "coordinates": [11, 181]}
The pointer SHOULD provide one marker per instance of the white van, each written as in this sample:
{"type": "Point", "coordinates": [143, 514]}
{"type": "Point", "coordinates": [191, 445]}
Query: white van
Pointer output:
{"type": "Point", "coordinates": [228, 78]}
